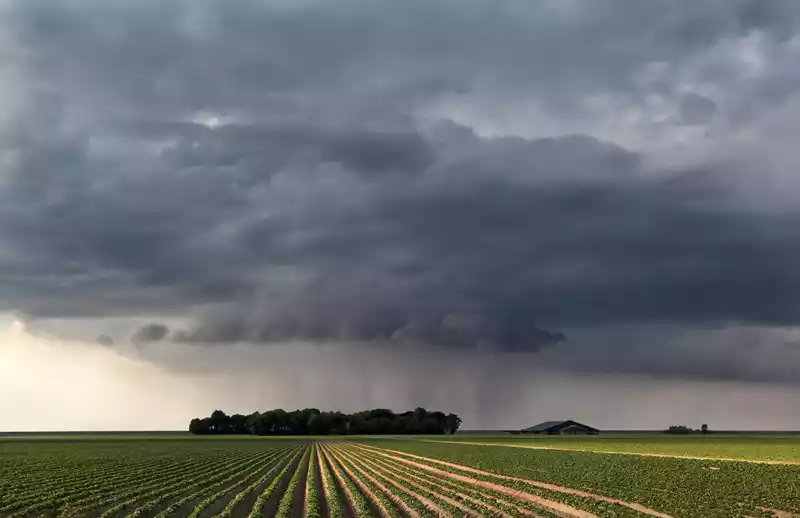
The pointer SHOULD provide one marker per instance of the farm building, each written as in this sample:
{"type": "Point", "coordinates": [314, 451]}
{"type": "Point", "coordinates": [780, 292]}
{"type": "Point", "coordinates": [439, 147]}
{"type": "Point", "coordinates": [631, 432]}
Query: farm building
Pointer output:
{"type": "Point", "coordinates": [561, 428]}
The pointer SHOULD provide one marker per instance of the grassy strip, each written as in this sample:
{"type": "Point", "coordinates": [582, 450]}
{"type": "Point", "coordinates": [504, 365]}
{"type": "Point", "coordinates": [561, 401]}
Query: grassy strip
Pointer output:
{"type": "Point", "coordinates": [378, 493]}
{"type": "Point", "coordinates": [288, 500]}
{"type": "Point", "coordinates": [354, 496]}
{"type": "Point", "coordinates": [312, 505]}
{"type": "Point", "coordinates": [258, 506]}
{"type": "Point", "coordinates": [329, 488]}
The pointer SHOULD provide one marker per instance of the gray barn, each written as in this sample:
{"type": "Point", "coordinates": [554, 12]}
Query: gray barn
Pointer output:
{"type": "Point", "coordinates": [568, 427]}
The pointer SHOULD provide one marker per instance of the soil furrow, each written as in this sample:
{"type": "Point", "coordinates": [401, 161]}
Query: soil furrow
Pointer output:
{"type": "Point", "coordinates": [322, 500]}
{"type": "Point", "coordinates": [428, 503]}
{"type": "Point", "coordinates": [393, 475]}
{"type": "Point", "coordinates": [457, 490]}
{"type": "Point", "coordinates": [557, 508]}
{"type": "Point", "coordinates": [348, 504]}
{"type": "Point", "coordinates": [543, 485]}
{"type": "Point", "coordinates": [382, 510]}
{"type": "Point", "coordinates": [334, 507]}
{"type": "Point", "coordinates": [300, 501]}
{"type": "Point", "coordinates": [611, 452]}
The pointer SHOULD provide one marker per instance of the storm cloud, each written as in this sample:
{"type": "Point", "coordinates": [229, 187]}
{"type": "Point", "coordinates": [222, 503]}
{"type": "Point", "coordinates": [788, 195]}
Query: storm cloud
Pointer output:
{"type": "Point", "coordinates": [463, 175]}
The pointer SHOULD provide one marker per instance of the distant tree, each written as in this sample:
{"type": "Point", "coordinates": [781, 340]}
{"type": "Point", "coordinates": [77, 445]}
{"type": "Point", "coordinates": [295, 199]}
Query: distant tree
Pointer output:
{"type": "Point", "coordinates": [199, 426]}
{"type": "Point", "coordinates": [314, 422]}
{"type": "Point", "coordinates": [679, 429]}
{"type": "Point", "coordinates": [452, 423]}
{"type": "Point", "coordinates": [238, 424]}
{"type": "Point", "coordinates": [220, 422]}
{"type": "Point", "coordinates": [704, 429]}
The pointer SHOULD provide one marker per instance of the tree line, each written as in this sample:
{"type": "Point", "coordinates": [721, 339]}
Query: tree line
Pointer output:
{"type": "Point", "coordinates": [685, 430]}
{"type": "Point", "coordinates": [312, 421]}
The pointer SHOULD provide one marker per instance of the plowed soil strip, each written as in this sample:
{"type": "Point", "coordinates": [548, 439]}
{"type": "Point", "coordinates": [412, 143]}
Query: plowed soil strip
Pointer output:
{"type": "Point", "coordinates": [465, 491]}
{"type": "Point", "coordinates": [428, 503]}
{"type": "Point", "coordinates": [362, 465]}
{"type": "Point", "coordinates": [344, 490]}
{"type": "Point", "coordinates": [778, 513]}
{"type": "Point", "coordinates": [313, 501]}
{"type": "Point", "coordinates": [543, 485]}
{"type": "Point", "coordinates": [332, 506]}
{"type": "Point", "coordinates": [299, 503]}
{"type": "Point", "coordinates": [382, 510]}
{"type": "Point", "coordinates": [550, 505]}
{"type": "Point", "coordinates": [398, 503]}
{"type": "Point", "coordinates": [634, 453]}
{"type": "Point", "coordinates": [462, 491]}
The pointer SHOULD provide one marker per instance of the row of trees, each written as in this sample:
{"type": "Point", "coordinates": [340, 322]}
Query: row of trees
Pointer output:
{"type": "Point", "coordinates": [685, 430]}
{"type": "Point", "coordinates": [311, 421]}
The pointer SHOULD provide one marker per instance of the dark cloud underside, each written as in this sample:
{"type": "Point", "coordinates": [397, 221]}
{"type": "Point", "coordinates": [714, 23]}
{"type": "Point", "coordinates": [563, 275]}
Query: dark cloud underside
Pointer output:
{"type": "Point", "coordinates": [276, 171]}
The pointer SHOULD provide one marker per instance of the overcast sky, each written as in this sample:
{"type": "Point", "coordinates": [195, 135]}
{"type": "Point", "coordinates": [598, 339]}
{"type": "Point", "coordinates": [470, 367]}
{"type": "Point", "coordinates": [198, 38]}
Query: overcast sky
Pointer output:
{"type": "Point", "coordinates": [514, 210]}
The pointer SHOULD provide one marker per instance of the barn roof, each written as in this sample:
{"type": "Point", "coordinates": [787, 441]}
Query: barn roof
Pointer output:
{"type": "Point", "coordinates": [544, 426]}
{"type": "Point", "coordinates": [547, 425]}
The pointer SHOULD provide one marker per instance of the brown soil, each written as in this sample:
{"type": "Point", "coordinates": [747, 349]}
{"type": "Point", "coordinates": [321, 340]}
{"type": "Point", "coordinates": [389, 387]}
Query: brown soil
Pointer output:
{"type": "Point", "coordinates": [322, 484]}
{"type": "Point", "coordinates": [365, 490]}
{"type": "Point", "coordinates": [449, 489]}
{"type": "Point", "coordinates": [779, 514]}
{"type": "Point", "coordinates": [543, 485]}
{"type": "Point", "coordinates": [341, 487]}
{"type": "Point", "coordinates": [401, 505]}
{"type": "Point", "coordinates": [437, 510]}
{"type": "Point", "coordinates": [557, 508]}
{"type": "Point", "coordinates": [395, 475]}
{"type": "Point", "coordinates": [299, 502]}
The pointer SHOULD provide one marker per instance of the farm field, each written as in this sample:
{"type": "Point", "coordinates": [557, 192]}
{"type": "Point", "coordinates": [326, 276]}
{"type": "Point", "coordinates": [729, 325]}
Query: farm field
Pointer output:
{"type": "Point", "coordinates": [251, 477]}
{"type": "Point", "coordinates": [783, 448]}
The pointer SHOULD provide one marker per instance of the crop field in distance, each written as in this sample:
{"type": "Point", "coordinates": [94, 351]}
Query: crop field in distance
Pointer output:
{"type": "Point", "coordinates": [413, 476]}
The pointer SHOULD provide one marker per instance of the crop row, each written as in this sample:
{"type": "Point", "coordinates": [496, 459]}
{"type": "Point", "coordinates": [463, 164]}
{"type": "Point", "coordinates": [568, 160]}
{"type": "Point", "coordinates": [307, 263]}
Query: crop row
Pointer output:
{"type": "Point", "coordinates": [290, 478]}
{"type": "Point", "coordinates": [174, 484]}
{"type": "Point", "coordinates": [593, 481]}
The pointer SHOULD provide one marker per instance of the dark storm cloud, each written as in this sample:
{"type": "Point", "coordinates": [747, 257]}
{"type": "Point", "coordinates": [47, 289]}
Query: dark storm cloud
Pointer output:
{"type": "Point", "coordinates": [105, 340]}
{"type": "Point", "coordinates": [271, 169]}
{"type": "Point", "coordinates": [150, 333]}
{"type": "Point", "coordinates": [696, 109]}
